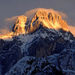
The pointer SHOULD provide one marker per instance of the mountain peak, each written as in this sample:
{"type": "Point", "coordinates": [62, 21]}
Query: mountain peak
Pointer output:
{"type": "Point", "coordinates": [33, 19]}
{"type": "Point", "coordinates": [47, 18]}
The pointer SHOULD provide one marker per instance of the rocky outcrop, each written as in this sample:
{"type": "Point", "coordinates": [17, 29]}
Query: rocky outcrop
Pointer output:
{"type": "Point", "coordinates": [57, 64]}
{"type": "Point", "coordinates": [66, 61]}
{"type": "Point", "coordinates": [34, 66]}
{"type": "Point", "coordinates": [10, 53]}
{"type": "Point", "coordinates": [19, 26]}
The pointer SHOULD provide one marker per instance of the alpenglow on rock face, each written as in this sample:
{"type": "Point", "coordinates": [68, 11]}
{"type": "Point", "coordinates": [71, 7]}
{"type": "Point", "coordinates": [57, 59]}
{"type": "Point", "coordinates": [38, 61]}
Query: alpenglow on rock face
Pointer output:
{"type": "Point", "coordinates": [19, 26]}
{"type": "Point", "coordinates": [46, 17]}
{"type": "Point", "coordinates": [43, 46]}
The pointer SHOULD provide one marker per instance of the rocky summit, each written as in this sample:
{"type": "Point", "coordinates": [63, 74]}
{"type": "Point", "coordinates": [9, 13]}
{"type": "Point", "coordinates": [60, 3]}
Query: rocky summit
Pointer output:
{"type": "Point", "coordinates": [47, 18]}
{"type": "Point", "coordinates": [42, 45]}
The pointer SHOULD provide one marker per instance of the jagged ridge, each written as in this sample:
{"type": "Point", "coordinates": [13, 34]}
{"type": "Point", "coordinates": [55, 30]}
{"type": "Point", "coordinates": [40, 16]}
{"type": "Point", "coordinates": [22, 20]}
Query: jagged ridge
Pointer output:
{"type": "Point", "coordinates": [45, 17]}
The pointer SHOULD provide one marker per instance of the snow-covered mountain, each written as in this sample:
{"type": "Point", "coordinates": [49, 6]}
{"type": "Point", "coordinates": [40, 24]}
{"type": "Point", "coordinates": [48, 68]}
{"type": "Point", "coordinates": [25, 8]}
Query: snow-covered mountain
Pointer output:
{"type": "Point", "coordinates": [43, 45]}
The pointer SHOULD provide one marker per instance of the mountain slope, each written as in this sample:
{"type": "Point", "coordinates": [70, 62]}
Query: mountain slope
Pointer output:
{"type": "Point", "coordinates": [42, 43]}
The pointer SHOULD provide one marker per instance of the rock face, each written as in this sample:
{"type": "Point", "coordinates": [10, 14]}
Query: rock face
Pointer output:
{"type": "Point", "coordinates": [57, 64]}
{"type": "Point", "coordinates": [19, 26]}
{"type": "Point", "coordinates": [47, 18]}
{"type": "Point", "coordinates": [40, 49]}
{"type": "Point", "coordinates": [34, 66]}
{"type": "Point", "coordinates": [10, 53]}
{"type": "Point", "coordinates": [66, 60]}
{"type": "Point", "coordinates": [45, 42]}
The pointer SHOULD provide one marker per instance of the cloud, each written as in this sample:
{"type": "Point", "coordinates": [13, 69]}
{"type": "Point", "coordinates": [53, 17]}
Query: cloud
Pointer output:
{"type": "Point", "coordinates": [12, 19]}
{"type": "Point", "coordinates": [72, 29]}
{"type": "Point", "coordinates": [9, 22]}
{"type": "Point", "coordinates": [33, 11]}
{"type": "Point", "coordinates": [4, 31]}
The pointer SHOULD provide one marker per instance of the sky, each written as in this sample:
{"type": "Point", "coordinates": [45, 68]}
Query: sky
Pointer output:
{"type": "Point", "coordinates": [9, 8]}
